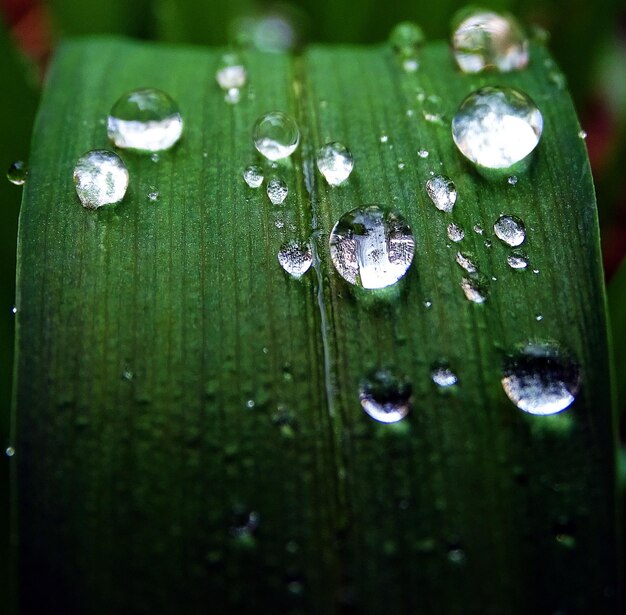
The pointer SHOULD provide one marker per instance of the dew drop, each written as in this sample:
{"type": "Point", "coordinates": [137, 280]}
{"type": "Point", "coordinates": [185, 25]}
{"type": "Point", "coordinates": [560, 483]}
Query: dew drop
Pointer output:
{"type": "Point", "coordinates": [384, 138]}
{"type": "Point", "coordinates": [582, 134]}
{"type": "Point", "coordinates": [335, 162]}
{"type": "Point", "coordinates": [517, 261]}
{"type": "Point", "coordinates": [372, 248]}
{"type": "Point", "coordinates": [455, 232]}
{"type": "Point", "coordinates": [253, 176]}
{"type": "Point", "coordinates": [423, 153]}
{"type": "Point", "coordinates": [431, 109]}
{"type": "Point", "coordinates": [466, 263]}
{"type": "Point", "coordinates": [231, 72]}
{"type": "Point", "coordinates": [9, 451]}
{"type": "Point", "coordinates": [478, 229]}
{"type": "Point", "coordinates": [295, 258]}
{"type": "Point", "coordinates": [510, 230]}
{"type": "Point", "coordinates": [101, 178]}
{"type": "Point", "coordinates": [385, 397]}
{"type": "Point", "coordinates": [442, 192]}
{"type": "Point", "coordinates": [497, 127]}
{"type": "Point", "coordinates": [541, 379]}
{"type": "Point", "coordinates": [407, 40]}
{"type": "Point", "coordinates": [456, 556]}
{"type": "Point", "coordinates": [276, 135]}
{"type": "Point", "coordinates": [512, 180]}
{"type": "Point", "coordinates": [277, 190]}
{"type": "Point", "coordinates": [473, 290]}
{"type": "Point", "coordinates": [145, 120]}
{"type": "Point", "coordinates": [487, 40]}
{"type": "Point", "coordinates": [153, 195]}
{"type": "Point", "coordinates": [232, 96]}
{"type": "Point", "coordinates": [443, 376]}
{"type": "Point", "coordinates": [17, 173]}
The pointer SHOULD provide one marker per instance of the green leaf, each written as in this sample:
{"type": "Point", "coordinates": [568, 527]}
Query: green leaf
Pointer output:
{"type": "Point", "coordinates": [617, 299]}
{"type": "Point", "coordinates": [190, 432]}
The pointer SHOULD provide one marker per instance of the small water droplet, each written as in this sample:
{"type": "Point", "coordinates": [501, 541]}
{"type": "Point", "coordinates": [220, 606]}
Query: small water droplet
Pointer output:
{"type": "Point", "coordinates": [232, 96]}
{"type": "Point", "coordinates": [250, 404]}
{"type": "Point", "coordinates": [231, 72]}
{"type": "Point", "coordinates": [465, 262]}
{"type": "Point", "coordinates": [541, 379]}
{"type": "Point", "coordinates": [101, 178]}
{"type": "Point", "coordinates": [517, 261]}
{"type": "Point", "coordinates": [145, 120]}
{"type": "Point", "coordinates": [428, 304]}
{"type": "Point", "coordinates": [244, 526]}
{"type": "Point", "coordinates": [277, 190]}
{"type": "Point", "coordinates": [335, 162]}
{"type": "Point", "coordinates": [478, 229]}
{"type": "Point", "coordinates": [14, 310]}
{"type": "Point", "coordinates": [536, 271]}
{"type": "Point", "coordinates": [455, 232]}
{"type": "Point", "coordinates": [155, 157]}
{"type": "Point", "coordinates": [443, 376]}
{"type": "Point", "coordinates": [497, 127]}
{"type": "Point", "coordinates": [456, 556]}
{"type": "Point", "coordinates": [384, 138]}
{"type": "Point", "coordinates": [385, 397]}
{"type": "Point", "coordinates": [295, 258]}
{"type": "Point", "coordinates": [539, 317]}
{"type": "Point", "coordinates": [279, 223]}
{"type": "Point", "coordinates": [582, 134]}
{"type": "Point", "coordinates": [9, 451]}
{"type": "Point", "coordinates": [128, 375]}
{"type": "Point", "coordinates": [407, 39]}
{"type": "Point", "coordinates": [512, 180]}
{"type": "Point", "coordinates": [153, 195]}
{"type": "Point", "coordinates": [442, 192]}
{"type": "Point", "coordinates": [510, 230]}
{"type": "Point", "coordinates": [372, 248]}
{"type": "Point", "coordinates": [401, 165]}
{"type": "Point", "coordinates": [423, 153]}
{"type": "Point", "coordinates": [276, 135]}
{"type": "Point", "coordinates": [431, 109]}
{"type": "Point", "coordinates": [487, 40]}
{"type": "Point", "coordinates": [474, 291]}
{"type": "Point", "coordinates": [253, 176]}
{"type": "Point", "coordinates": [17, 173]}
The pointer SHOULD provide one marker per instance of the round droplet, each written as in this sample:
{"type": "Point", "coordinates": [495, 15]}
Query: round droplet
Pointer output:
{"type": "Point", "coordinates": [486, 40]}
{"type": "Point", "coordinates": [295, 258]}
{"type": "Point", "coordinates": [497, 127]}
{"type": "Point", "coordinates": [335, 162]}
{"type": "Point", "coordinates": [443, 376]}
{"type": "Point", "coordinates": [407, 40]}
{"type": "Point", "coordinates": [277, 190]}
{"type": "Point", "coordinates": [9, 451]}
{"type": "Point", "coordinates": [153, 195]}
{"type": "Point", "coordinates": [517, 261]}
{"type": "Point", "coordinates": [17, 173]}
{"type": "Point", "coordinates": [512, 180]}
{"type": "Point", "coordinates": [473, 290]}
{"type": "Point", "coordinates": [231, 72]}
{"type": "Point", "coordinates": [101, 178]}
{"type": "Point", "coordinates": [510, 230]}
{"type": "Point", "coordinates": [431, 109]}
{"type": "Point", "coordinates": [385, 397]}
{"type": "Point", "coordinates": [372, 248]}
{"type": "Point", "coordinates": [455, 232]}
{"type": "Point", "coordinates": [423, 153]}
{"type": "Point", "coordinates": [541, 379]}
{"type": "Point", "coordinates": [145, 120]}
{"type": "Point", "coordinates": [276, 135]}
{"type": "Point", "coordinates": [442, 192]}
{"type": "Point", "coordinates": [465, 262]}
{"type": "Point", "coordinates": [582, 134]}
{"type": "Point", "coordinates": [253, 176]}
{"type": "Point", "coordinates": [478, 229]}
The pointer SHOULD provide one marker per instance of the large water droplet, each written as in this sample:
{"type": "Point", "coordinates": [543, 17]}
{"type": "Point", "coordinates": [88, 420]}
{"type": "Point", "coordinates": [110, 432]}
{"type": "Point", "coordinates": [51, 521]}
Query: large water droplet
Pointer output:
{"type": "Point", "coordinates": [295, 258]}
{"type": "Point", "coordinates": [510, 230]}
{"type": "Point", "coordinates": [372, 248]}
{"type": "Point", "coordinates": [145, 120]}
{"type": "Point", "coordinates": [276, 135]}
{"type": "Point", "coordinates": [17, 173]}
{"type": "Point", "coordinates": [442, 192]}
{"type": "Point", "coordinates": [486, 40]}
{"type": "Point", "coordinates": [497, 127]}
{"type": "Point", "coordinates": [541, 379]}
{"type": "Point", "coordinates": [455, 232]}
{"type": "Point", "coordinates": [277, 190]}
{"type": "Point", "coordinates": [253, 176]}
{"type": "Point", "coordinates": [101, 178]}
{"type": "Point", "coordinates": [335, 162]}
{"type": "Point", "coordinates": [385, 397]}
{"type": "Point", "coordinates": [231, 72]}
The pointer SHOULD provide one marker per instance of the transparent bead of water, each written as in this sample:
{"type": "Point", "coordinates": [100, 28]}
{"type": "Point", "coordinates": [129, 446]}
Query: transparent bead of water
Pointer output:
{"type": "Point", "coordinates": [9, 451]}
{"type": "Point", "coordinates": [145, 120]}
{"type": "Point", "coordinates": [442, 192]}
{"type": "Point", "coordinates": [335, 162]}
{"type": "Point", "coordinates": [431, 109]}
{"type": "Point", "coordinates": [295, 258]}
{"type": "Point", "coordinates": [423, 153]}
{"type": "Point", "coordinates": [455, 232]}
{"type": "Point", "coordinates": [153, 195]}
{"type": "Point", "coordinates": [443, 376]}
{"type": "Point", "coordinates": [407, 40]}
{"type": "Point", "coordinates": [17, 173]}
{"type": "Point", "coordinates": [473, 290]}
{"type": "Point", "coordinates": [510, 230]}
{"type": "Point", "coordinates": [466, 263]}
{"type": "Point", "coordinates": [231, 72]}
{"type": "Point", "coordinates": [276, 135]}
{"type": "Point", "coordinates": [385, 397]}
{"type": "Point", "coordinates": [253, 176]}
{"type": "Point", "coordinates": [277, 190]}
{"type": "Point", "coordinates": [484, 40]}
{"type": "Point", "coordinates": [517, 261]}
{"type": "Point", "coordinates": [101, 178]}
{"type": "Point", "coordinates": [512, 180]}
{"type": "Point", "coordinates": [372, 248]}
{"type": "Point", "coordinates": [541, 379]}
{"type": "Point", "coordinates": [478, 229]}
{"type": "Point", "coordinates": [497, 127]}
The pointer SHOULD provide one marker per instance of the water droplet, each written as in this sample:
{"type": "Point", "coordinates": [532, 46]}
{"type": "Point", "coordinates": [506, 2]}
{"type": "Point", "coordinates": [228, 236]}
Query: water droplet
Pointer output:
{"type": "Point", "coordinates": [101, 178]}
{"type": "Point", "coordinates": [153, 195]}
{"type": "Point", "coordinates": [17, 173]}
{"type": "Point", "coordinates": [231, 72]}
{"type": "Point", "coordinates": [497, 127]}
{"type": "Point", "coordinates": [372, 248]}
{"type": "Point", "coordinates": [276, 135]}
{"type": "Point", "coordinates": [517, 261]}
{"type": "Point", "coordinates": [442, 192]}
{"type": "Point", "coordinates": [279, 223]}
{"type": "Point", "coordinates": [473, 290]}
{"type": "Point", "coordinates": [541, 379]}
{"type": "Point", "coordinates": [456, 556]}
{"type": "Point", "coordinates": [431, 109]}
{"type": "Point", "coordinates": [478, 229]}
{"type": "Point", "coordinates": [539, 317]}
{"type": "Point", "coordinates": [385, 397]}
{"type": "Point", "coordinates": [232, 96]}
{"type": "Point", "coordinates": [428, 304]}
{"type": "Point", "coordinates": [465, 262]}
{"type": "Point", "coordinates": [277, 190]}
{"type": "Point", "coordinates": [443, 376]}
{"type": "Point", "coordinates": [9, 451]}
{"type": "Point", "coordinates": [295, 258]}
{"type": "Point", "coordinates": [14, 310]}
{"type": "Point", "coordinates": [582, 134]}
{"type": "Point", "coordinates": [335, 162]}
{"type": "Point", "coordinates": [384, 138]}
{"type": "Point", "coordinates": [486, 40]}
{"type": "Point", "coordinates": [423, 153]}
{"type": "Point", "coordinates": [145, 120]}
{"type": "Point", "coordinates": [155, 157]}
{"type": "Point", "coordinates": [127, 375]}
{"type": "Point", "coordinates": [512, 180]}
{"type": "Point", "coordinates": [407, 39]}
{"type": "Point", "coordinates": [250, 404]}
{"type": "Point", "coordinates": [510, 230]}
{"type": "Point", "coordinates": [401, 165]}
{"type": "Point", "coordinates": [253, 176]}
{"type": "Point", "coordinates": [455, 232]}
{"type": "Point", "coordinates": [244, 526]}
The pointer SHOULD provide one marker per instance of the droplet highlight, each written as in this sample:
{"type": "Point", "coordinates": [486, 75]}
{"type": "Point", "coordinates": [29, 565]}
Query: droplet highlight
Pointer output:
{"type": "Point", "coordinates": [231, 72]}
{"type": "Point", "coordinates": [443, 376]}
{"type": "Point", "coordinates": [276, 135]}
{"type": "Point", "coordinates": [335, 162]}
{"type": "Point", "coordinates": [100, 178]}
{"type": "Point", "coordinates": [385, 397]}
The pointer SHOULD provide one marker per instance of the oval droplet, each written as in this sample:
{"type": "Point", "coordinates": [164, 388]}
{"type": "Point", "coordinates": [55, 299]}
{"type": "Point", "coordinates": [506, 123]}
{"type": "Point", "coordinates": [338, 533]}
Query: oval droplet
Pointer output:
{"type": "Point", "coordinates": [510, 230]}
{"type": "Point", "coordinates": [231, 72]}
{"type": "Point", "coordinates": [295, 258]}
{"type": "Point", "coordinates": [277, 190]}
{"type": "Point", "coordinates": [372, 248]}
{"type": "Point", "coordinates": [443, 376]}
{"type": "Point", "coordinates": [253, 176]}
{"type": "Point", "coordinates": [385, 397]}
{"type": "Point", "coordinates": [407, 40]}
{"type": "Point", "coordinates": [101, 178]}
{"type": "Point", "coordinates": [474, 291]}
{"type": "Point", "coordinates": [145, 120]}
{"type": "Point", "coordinates": [276, 135]}
{"type": "Point", "coordinates": [17, 173]}
{"type": "Point", "coordinates": [335, 162]}
{"type": "Point", "coordinates": [442, 192]}
{"type": "Point", "coordinates": [465, 262]}
{"type": "Point", "coordinates": [517, 261]}
{"type": "Point", "coordinates": [455, 232]}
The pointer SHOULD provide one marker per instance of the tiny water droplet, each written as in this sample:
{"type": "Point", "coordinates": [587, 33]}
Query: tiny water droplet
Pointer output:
{"type": "Point", "coordinates": [155, 157]}
{"type": "Point", "coordinates": [253, 176]}
{"type": "Point", "coordinates": [279, 223]}
{"type": "Point", "coordinates": [128, 375]}
{"type": "Point", "coordinates": [335, 162]}
{"type": "Point", "coordinates": [456, 556]}
{"type": "Point", "coordinates": [153, 195]}
{"type": "Point", "coordinates": [372, 248]}
{"type": "Point", "coordinates": [250, 404]}
{"type": "Point", "coordinates": [497, 127]}
{"type": "Point", "coordinates": [9, 451]}
{"type": "Point", "coordinates": [517, 261]}
{"type": "Point", "coordinates": [442, 192]}
{"type": "Point", "coordinates": [277, 190]}
{"type": "Point", "coordinates": [384, 138]}
{"type": "Point", "coordinates": [510, 230]}
{"type": "Point", "coordinates": [401, 165]}
{"type": "Point", "coordinates": [385, 397]}
{"type": "Point", "coordinates": [431, 109]}
{"type": "Point", "coordinates": [101, 178]}
{"type": "Point", "coordinates": [443, 376]}
{"type": "Point", "coordinates": [539, 317]}
{"type": "Point", "coordinates": [145, 120]}
{"type": "Point", "coordinates": [276, 135]}
{"type": "Point", "coordinates": [582, 134]}
{"type": "Point", "coordinates": [473, 290]}
{"type": "Point", "coordinates": [231, 72]}
{"type": "Point", "coordinates": [465, 262]}
{"type": "Point", "coordinates": [487, 40]}
{"type": "Point", "coordinates": [536, 271]}
{"type": "Point", "coordinates": [17, 173]}
{"type": "Point", "coordinates": [478, 229]}
{"type": "Point", "coordinates": [406, 39]}
{"type": "Point", "coordinates": [232, 96]}
{"type": "Point", "coordinates": [423, 153]}
{"type": "Point", "coordinates": [295, 258]}
{"type": "Point", "coordinates": [512, 180]}
{"type": "Point", "coordinates": [14, 310]}
{"type": "Point", "coordinates": [541, 379]}
{"type": "Point", "coordinates": [455, 232]}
